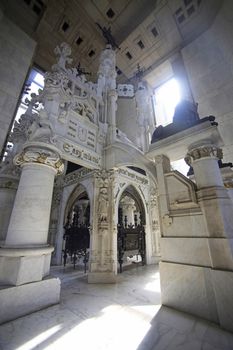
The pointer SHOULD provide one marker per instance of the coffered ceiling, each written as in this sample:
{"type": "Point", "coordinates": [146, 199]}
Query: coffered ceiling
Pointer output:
{"type": "Point", "coordinates": [147, 32]}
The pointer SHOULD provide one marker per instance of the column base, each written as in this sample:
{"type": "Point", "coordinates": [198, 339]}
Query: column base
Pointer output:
{"type": "Point", "coordinates": [200, 291]}
{"type": "Point", "coordinates": [154, 260]}
{"type": "Point", "coordinates": [102, 277]}
{"type": "Point", "coordinates": [17, 301]}
{"type": "Point", "coordinates": [24, 265]}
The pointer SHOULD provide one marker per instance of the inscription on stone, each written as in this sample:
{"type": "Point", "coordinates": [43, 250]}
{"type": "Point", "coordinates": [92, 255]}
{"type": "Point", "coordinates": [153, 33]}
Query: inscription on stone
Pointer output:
{"type": "Point", "coordinates": [81, 153]}
{"type": "Point", "coordinates": [80, 133]}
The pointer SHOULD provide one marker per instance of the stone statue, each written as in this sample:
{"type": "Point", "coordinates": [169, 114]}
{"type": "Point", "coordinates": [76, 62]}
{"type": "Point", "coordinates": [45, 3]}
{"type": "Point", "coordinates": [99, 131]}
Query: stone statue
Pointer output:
{"type": "Point", "coordinates": [62, 52]}
{"type": "Point", "coordinates": [186, 113]}
{"type": "Point", "coordinates": [41, 129]}
{"type": "Point", "coordinates": [108, 36]}
{"type": "Point", "coordinates": [103, 205]}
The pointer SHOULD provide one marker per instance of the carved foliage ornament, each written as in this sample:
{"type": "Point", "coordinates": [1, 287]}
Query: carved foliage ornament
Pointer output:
{"type": "Point", "coordinates": [202, 152]}
{"type": "Point", "coordinates": [40, 156]}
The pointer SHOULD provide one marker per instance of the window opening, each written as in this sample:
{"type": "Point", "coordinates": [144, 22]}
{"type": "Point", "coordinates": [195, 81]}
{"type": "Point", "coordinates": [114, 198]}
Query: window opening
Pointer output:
{"type": "Point", "coordinates": [110, 13]}
{"type": "Point", "coordinates": [79, 41]}
{"type": "Point", "coordinates": [190, 10]}
{"type": "Point", "coordinates": [140, 44]}
{"type": "Point", "coordinates": [166, 97]}
{"type": "Point", "coordinates": [33, 84]}
{"type": "Point", "coordinates": [65, 26]}
{"type": "Point", "coordinates": [119, 72]}
{"type": "Point", "coordinates": [181, 18]}
{"type": "Point", "coordinates": [91, 53]}
{"type": "Point", "coordinates": [128, 54]}
{"type": "Point", "coordinates": [154, 32]}
{"type": "Point", "coordinates": [180, 166]}
{"type": "Point", "coordinates": [187, 2]}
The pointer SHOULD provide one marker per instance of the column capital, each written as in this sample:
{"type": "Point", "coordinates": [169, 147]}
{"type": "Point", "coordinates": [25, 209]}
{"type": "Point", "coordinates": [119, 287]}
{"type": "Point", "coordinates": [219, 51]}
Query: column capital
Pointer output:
{"type": "Point", "coordinates": [40, 153]}
{"type": "Point", "coordinates": [164, 161]}
{"type": "Point", "coordinates": [210, 151]}
{"type": "Point", "coordinates": [113, 93]}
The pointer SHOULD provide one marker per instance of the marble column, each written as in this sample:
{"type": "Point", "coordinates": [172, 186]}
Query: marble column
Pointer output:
{"type": "Point", "coordinates": [213, 197]}
{"type": "Point", "coordinates": [25, 255]}
{"type": "Point", "coordinates": [8, 188]}
{"type": "Point", "coordinates": [112, 107]}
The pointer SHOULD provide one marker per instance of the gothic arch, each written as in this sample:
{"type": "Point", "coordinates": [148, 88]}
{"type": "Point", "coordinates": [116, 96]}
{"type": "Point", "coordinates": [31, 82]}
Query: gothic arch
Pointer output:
{"type": "Point", "coordinates": [121, 154]}
{"type": "Point", "coordinates": [78, 192]}
{"type": "Point", "coordinates": [135, 193]}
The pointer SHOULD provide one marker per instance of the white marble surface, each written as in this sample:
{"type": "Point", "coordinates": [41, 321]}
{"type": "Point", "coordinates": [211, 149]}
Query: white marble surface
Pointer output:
{"type": "Point", "coordinates": [27, 298]}
{"type": "Point", "coordinates": [124, 316]}
{"type": "Point", "coordinates": [30, 218]}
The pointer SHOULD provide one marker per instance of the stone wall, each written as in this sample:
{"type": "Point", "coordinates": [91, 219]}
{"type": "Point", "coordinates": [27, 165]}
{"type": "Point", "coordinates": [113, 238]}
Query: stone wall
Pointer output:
{"type": "Point", "coordinates": [16, 54]}
{"type": "Point", "coordinates": [209, 64]}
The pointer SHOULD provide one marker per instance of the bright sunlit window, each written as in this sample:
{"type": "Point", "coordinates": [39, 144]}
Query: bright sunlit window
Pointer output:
{"type": "Point", "coordinates": [181, 166]}
{"type": "Point", "coordinates": [34, 83]}
{"type": "Point", "coordinates": [167, 96]}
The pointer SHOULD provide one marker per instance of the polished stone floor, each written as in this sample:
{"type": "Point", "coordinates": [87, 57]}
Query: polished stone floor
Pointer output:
{"type": "Point", "coordinates": [124, 316]}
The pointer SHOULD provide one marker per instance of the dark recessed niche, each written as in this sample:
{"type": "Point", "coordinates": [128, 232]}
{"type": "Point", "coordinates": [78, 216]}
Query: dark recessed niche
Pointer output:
{"type": "Point", "coordinates": [198, 2]}
{"type": "Point", "coordinates": [154, 32]}
{"type": "Point", "coordinates": [79, 41]}
{"type": "Point", "coordinates": [65, 26]}
{"type": "Point", "coordinates": [110, 13]}
{"type": "Point", "coordinates": [178, 11]}
{"type": "Point", "coordinates": [190, 10]}
{"type": "Point", "coordinates": [128, 55]}
{"type": "Point", "coordinates": [140, 44]}
{"type": "Point", "coordinates": [187, 2]}
{"type": "Point", "coordinates": [181, 18]}
{"type": "Point", "coordinates": [138, 170]}
{"type": "Point", "coordinates": [91, 53]}
{"type": "Point", "coordinates": [40, 2]}
{"type": "Point", "coordinates": [36, 9]}
{"type": "Point", "coordinates": [72, 167]}
{"type": "Point", "coordinates": [119, 72]}
{"type": "Point", "coordinates": [27, 2]}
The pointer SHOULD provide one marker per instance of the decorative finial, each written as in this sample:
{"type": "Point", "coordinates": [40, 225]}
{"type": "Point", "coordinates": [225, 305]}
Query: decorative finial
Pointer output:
{"type": "Point", "coordinates": [108, 36]}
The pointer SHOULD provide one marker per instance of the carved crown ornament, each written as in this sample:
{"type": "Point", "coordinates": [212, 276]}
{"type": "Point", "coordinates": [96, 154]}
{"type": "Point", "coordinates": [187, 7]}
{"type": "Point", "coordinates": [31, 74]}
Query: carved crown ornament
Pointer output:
{"type": "Point", "coordinates": [70, 80]}
{"type": "Point", "coordinates": [46, 156]}
{"type": "Point", "coordinates": [203, 152]}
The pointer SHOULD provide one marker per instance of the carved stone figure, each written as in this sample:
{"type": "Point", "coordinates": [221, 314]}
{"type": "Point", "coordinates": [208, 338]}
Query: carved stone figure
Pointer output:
{"type": "Point", "coordinates": [103, 205]}
{"type": "Point", "coordinates": [62, 52]}
{"type": "Point", "coordinates": [41, 129]}
{"type": "Point", "coordinates": [107, 71]}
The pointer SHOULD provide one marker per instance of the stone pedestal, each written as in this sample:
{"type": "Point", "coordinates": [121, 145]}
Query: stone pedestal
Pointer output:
{"type": "Point", "coordinates": [196, 226]}
{"type": "Point", "coordinates": [8, 188]}
{"type": "Point", "coordinates": [25, 255]}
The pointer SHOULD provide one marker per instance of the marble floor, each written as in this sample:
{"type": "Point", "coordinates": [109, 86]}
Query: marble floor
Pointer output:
{"type": "Point", "coordinates": [124, 316]}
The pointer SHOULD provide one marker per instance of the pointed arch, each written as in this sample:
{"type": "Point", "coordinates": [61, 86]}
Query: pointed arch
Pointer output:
{"type": "Point", "coordinates": [78, 192]}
